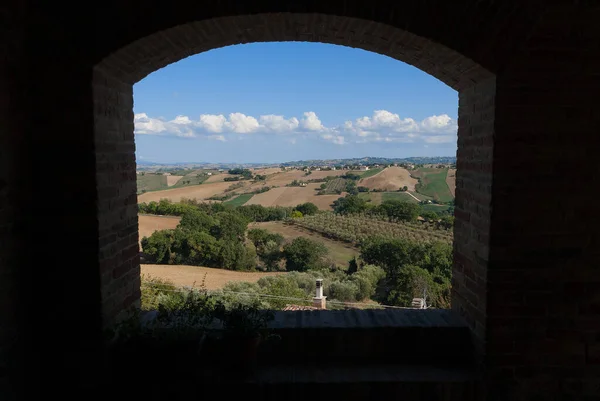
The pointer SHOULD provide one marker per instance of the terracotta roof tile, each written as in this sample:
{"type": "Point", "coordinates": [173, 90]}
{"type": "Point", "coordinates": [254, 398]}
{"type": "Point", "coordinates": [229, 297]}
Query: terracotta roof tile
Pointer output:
{"type": "Point", "coordinates": [298, 307]}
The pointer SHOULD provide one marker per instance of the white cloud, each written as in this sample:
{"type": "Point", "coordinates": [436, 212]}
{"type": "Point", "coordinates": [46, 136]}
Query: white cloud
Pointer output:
{"type": "Point", "coordinates": [276, 123]}
{"type": "Point", "coordinates": [242, 124]}
{"type": "Point", "coordinates": [381, 127]}
{"type": "Point", "coordinates": [311, 122]}
{"type": "Point", "coordinates": [212, 123]}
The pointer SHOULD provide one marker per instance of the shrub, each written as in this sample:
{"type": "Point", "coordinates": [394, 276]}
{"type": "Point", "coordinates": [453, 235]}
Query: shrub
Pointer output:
{"type": "Point", "coordinates": [303, 254]}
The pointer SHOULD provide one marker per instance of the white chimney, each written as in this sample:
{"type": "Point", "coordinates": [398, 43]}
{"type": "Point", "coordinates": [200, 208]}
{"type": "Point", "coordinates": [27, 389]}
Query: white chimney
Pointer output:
{"type": "Point", "coordinates": [319, 299]}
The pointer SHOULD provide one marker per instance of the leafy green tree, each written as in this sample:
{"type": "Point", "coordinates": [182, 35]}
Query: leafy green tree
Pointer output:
{"type": "Point", "coordinates": [197, 220]}
{"type": "Point", "coordinates": [349, 204]}
{"type": "Point", "coordinates": [271, 255]}
{"type": "Point", "coordinates": [296, 214]}
{"type": "Point", "coordinates": [410, 282]}
{"type": "Point", "coordinates": [429, 215]}
{"type": "Point", "coordinates": [235, 256]}
{"type": "Point", "coordinates": [352, 266]}
{"type": "Point", "coordinates": [400, 210]}
{"type": "Point", "coordinates": [231, 225]}
{"type": "Point", "coordinates": [260, 237]}
{"type": "Point", "coordinates": [303, 254]}
{"type": "Point", "coordinates": [307, 209]}
{"type": "Point", "coordinates": [197, 248]}
{"type": "Point", "coordinates": [158, 245]}
{"type": "Point", "coordinates": [391, 254]}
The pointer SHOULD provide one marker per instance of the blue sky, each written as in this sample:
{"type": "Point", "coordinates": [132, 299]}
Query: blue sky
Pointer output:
{"type": "Point", "coordinates": [276, 102]}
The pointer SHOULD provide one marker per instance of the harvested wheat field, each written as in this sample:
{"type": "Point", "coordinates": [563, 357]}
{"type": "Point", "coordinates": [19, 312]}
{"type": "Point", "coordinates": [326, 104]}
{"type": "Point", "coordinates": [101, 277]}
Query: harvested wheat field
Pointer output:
{"type": "Point", "coordinates": [188, 276]}
{"type": "Point", "coordinates": [390, 179]}
{"type": "Point", "coordinates": [216, 178]}
{"type": "Point", "coordinates": [173, 179]}
{"type": "Point", "coordinates": [451, 180]}
{"type": "Point", "coordinates": [198, 192]}
{"type": "Point", "coordinates": [266, 171]}
{"type": "Point", "coordinates": [317, 175]}
{"type": "Point", "coordinates": [147, 224]}
{"type": "Point", "coordinates": [283, 178]}
{"type": "Point", "coordinates": [293, 196]}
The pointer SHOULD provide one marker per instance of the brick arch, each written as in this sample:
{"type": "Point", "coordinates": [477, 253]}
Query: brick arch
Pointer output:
{"type": "Point", "coordinates": [136, 60]}
{"type": "Point", "coordinates": [115, 74]}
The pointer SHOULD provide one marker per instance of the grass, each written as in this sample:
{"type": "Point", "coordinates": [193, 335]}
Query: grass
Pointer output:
{"type": "Point", "coordinates": [400, 196]}
{"type": "Point", "coordinates": [370, 172]}
{"type": "Point", "coordinates": [376, 198]}
{"type": "Point", "coordinates": [239, 200]}
{"type": "Point", "coordinates": [339, 252]}
{"type": "Point", "coordinates": [193, 178]}
{"type": "Point", "coordinates": [435, 208]}
{"type": "Point", "coordinates": [151, 182]}
{"type": "Point", "coordinates": [432, 182]}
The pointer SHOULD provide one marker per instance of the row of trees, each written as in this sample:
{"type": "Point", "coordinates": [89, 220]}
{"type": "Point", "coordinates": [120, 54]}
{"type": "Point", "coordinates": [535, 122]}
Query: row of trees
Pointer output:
{"type": "Point", "coordinates": [395, 210]}
{"type": "Point", "coordinates": [256, 213]}
{"type": "Point", "coordinates": [244, 172]}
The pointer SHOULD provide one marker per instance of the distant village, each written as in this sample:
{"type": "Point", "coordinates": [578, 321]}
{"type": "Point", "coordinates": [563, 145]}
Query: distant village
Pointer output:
{"type": "Point", "coordinates": [357, 167]}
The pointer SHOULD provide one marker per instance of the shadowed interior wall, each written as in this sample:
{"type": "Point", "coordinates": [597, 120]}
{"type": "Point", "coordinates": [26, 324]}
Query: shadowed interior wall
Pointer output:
{"type": "Point", "coordinates": [526, 274]}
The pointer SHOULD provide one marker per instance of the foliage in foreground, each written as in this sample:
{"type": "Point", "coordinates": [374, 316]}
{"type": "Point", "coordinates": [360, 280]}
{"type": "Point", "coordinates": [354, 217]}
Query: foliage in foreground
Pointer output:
{"type": "Point", "coordinates": [412, 270]}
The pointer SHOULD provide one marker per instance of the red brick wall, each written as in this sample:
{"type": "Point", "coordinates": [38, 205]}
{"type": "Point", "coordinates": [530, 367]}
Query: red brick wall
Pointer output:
{"type": "Point", "coordinates": [117, 199]}
{"type": "Point", "coordinates": [543, 307]}
{"type": "Point", "coordinates": [476, 118]}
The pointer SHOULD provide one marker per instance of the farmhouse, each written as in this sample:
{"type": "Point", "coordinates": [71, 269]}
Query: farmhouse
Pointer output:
{"type": "Point", "coordinates": [364, 168]}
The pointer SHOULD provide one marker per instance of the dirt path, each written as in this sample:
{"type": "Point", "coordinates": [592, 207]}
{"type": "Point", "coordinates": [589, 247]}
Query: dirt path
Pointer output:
{"type": "Point", "coordinates": [186, 276]}
{"type": "Point", "coordinates": [451, 181]}
{"type": "Point", "coordinates": [414, 197]}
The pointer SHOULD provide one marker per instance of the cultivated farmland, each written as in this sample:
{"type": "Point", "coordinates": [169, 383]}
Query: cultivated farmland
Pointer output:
{"type": "Point", "coordinates": [199, 192]}
{"type": "Point", "coordinates": [390, 179]}
{"type": "Point", "coordinates": [355, 229]}
{"type": "Point", "coordinates": [188, 276]}
{"type": "Point", "coordinates": [239, 200]}
{"type": "Point", "coordinates": [337, 184]}
{"type": "Point", "coordinates": [433, 183]}
{"type": "Point", "coordinates": [150, 182]}
{"type": "Point", "coordinates": [398, 196]}
{"type": "Point", "coordinates": [339, 251]}
{"type": "Point", "coordinates": [147, 224]}
{"type": "Point", "coordinates": [173, 179]}
{"type": "Point", "coordinates": [371, 172]}
{"type": "Point", "coordinates": [292, 196]}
